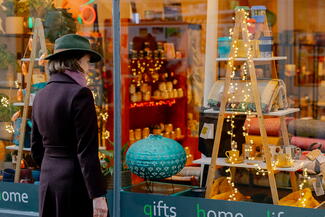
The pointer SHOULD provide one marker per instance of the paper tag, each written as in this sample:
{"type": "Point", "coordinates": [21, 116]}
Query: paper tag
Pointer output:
{"type": "Point", "coordinates": [321, 159]}
{"type": "Point", "coordinates": [207, 131]}
{"type": "Point", "coordinates": [318, 186]}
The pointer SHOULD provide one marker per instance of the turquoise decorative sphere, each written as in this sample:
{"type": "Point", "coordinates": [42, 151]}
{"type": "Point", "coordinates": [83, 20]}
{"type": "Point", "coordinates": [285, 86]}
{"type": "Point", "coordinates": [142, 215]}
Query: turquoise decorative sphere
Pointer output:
{"type": "Point", "coordinates": [155, 157]}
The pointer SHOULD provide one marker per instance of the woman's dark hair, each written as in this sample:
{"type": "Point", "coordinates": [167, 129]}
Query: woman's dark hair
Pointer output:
{"type": "Point", "coordinates": [67, 61]}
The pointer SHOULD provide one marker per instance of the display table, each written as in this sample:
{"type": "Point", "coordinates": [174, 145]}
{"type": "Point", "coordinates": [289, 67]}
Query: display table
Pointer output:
{"type": "Point", "coordinates": [298, 164]}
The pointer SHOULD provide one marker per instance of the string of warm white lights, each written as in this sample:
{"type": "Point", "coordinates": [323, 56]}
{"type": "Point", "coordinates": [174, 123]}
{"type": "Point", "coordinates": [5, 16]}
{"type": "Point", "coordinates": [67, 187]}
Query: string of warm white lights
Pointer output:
{"type": "Point", "coordinates": [302, 199]}
{"type": "Point", "coordinates": [10, 129]}
{"type": "Point", "coordinates": [4, 102]}
{"type": "Point", "coordinates": [232, 196]}
{"type": "Point", "coordinates": [263, 172]}
{"type": "Point", "coordinates": [230, 118]}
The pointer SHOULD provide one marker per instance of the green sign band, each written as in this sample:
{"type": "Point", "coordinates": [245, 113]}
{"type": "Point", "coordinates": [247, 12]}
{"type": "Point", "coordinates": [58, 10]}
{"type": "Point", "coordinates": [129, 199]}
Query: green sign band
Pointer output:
{"type": "Point", "coordinates": [22, 200]}
{"type": "Point", "coordinates": [148, 205]}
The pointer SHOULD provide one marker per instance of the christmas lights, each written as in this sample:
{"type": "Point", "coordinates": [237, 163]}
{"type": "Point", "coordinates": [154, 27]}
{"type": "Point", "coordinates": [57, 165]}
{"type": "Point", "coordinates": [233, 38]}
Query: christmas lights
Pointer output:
{"type": "Point", "coordinates": [302, 200]}
{"type": "Point", "coordinates": [5, 102]}
{"type": "Point", "coordinates": [169, 102]}
{"type": "Point", "coordinates": [232, 196]}
{"type": "Point", "coordinates": [10, 129]}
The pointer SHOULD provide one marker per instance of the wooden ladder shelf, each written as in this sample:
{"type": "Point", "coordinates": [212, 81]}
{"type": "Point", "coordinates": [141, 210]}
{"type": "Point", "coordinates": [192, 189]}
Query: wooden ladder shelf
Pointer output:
{"type": "Point", "coordinates": [241, 29]}
{"type": "Point", "coordinates": [38, 36]}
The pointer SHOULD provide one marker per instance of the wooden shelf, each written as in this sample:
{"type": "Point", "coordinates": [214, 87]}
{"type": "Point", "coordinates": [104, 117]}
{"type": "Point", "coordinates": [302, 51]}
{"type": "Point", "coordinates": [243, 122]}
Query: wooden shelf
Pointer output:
{"type": "Point", "coordinates": [277, 113]}
{"type": "Point", "coordinates": [28, 59]}
{"type": "Point", "coordinates": [321, 104]}
{"type": "Point", "coordinates": [15, 148]}
{"type": "Point", "coordinates": [255, 59]}
{"type": "Point", "coordinates": [154, 23]}
{"type": "Point", "coordinates": [20, 104]}
{"type": "Point", "coordinates": [26, 35]}
{"type": "Point", "coordinates": [298, 164]}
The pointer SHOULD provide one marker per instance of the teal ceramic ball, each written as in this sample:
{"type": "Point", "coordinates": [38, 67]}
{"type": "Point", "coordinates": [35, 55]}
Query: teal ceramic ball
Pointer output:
{"type": "Point", "coordinates": [155, 157]}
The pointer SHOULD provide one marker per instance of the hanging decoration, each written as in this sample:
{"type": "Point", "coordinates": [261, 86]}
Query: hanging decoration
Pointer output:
{"type": "Point", "coordinates": [82, 10]}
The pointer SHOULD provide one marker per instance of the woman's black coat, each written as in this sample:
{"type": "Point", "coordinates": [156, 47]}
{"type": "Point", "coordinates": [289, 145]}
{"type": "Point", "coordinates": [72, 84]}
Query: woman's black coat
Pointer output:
{"type": "Point", "coordinates": [65, 144]}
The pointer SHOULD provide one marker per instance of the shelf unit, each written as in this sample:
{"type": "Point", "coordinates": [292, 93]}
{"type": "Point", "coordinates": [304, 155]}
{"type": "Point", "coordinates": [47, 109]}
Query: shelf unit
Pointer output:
{"type": "Point", "coordinates": [279, 113]}
{"type": "Point", "coordinates": [28, 59]}
{"type": "Point", "coordinates": [255, 59]}
{"type": "Point", "coordinates": [19, 104]}
{"type": "Point", "coordinates": [15, 148]}
{"type": "Point", "coordinates": [308, 57]}
{"type": "Point", "coordinates": [256, 164]}
{"type": "Point", "coordinates": [298, 164]}
{"type": "Point", "coordinates": [241, 29]}
{"type": "Point", "coordinates": [172, 110]}
{"type": "Point", "coordinates": [38, 37]}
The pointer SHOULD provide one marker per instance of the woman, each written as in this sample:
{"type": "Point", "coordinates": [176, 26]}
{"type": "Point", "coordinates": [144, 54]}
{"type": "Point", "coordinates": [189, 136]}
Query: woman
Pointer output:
{"type": "Point", "coordinates": [65, 135]}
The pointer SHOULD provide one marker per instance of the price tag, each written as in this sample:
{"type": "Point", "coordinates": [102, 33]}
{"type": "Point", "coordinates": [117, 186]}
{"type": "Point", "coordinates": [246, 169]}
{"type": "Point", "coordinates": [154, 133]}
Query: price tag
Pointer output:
{"type": "Point", "coordinates": [207, 131]}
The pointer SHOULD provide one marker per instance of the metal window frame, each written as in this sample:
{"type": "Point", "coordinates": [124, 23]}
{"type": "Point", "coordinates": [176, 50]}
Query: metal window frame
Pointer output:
{"type": "Point", "coordinates": [117, 108]}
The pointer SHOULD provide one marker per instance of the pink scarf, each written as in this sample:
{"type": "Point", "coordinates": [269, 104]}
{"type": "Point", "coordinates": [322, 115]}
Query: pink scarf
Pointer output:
{"type": "Point", "coordinates": [78, 77]}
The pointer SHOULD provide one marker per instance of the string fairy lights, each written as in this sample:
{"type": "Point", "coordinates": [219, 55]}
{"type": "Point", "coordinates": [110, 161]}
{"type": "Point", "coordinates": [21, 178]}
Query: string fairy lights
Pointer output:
{"type": "Point", "coordinates": [10, 129]}
{"type": "Point", "coordinates": [302, 199]}
{"type": "Point", "coordinates": [4, 102]}
{"type": "Point", "coordinates": [245, 92]}
{"type": "Point", "coordinates": [232, 196]}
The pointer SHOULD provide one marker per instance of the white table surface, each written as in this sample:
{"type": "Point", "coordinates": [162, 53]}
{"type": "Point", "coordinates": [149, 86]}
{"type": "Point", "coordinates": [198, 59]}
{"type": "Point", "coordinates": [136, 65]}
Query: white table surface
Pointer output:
{"type": "Point", "coordinates": [298, 164]}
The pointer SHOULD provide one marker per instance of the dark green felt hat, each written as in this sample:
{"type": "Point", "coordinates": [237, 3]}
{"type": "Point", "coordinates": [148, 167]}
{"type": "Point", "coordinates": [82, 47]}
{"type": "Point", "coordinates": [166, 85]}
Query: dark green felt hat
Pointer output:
{"type": "Point", "coordinates": [73, 43]}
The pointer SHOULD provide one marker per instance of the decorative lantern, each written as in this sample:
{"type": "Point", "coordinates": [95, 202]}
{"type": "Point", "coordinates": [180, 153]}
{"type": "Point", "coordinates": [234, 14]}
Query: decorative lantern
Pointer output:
{"type": "Point", "coordinates": [155, 157]}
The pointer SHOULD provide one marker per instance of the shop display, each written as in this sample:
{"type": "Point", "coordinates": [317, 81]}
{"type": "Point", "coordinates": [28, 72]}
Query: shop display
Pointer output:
{"type": "Point", "coordinates": [308, 143]}
{"type": "Point", "coordinates": [273, 96]}
{"type": "Point", "coordinates": [272, 125]}
{"type": "Point", "coordinates": [237, 93]}
{"type": "Point", "coordinates": [242, 129]}
{"type": "Point", "coordinates": [166, 130]}
{"type": "Point", "coordinates": [172, 11]}
{"type": "Point", "coordinates": [222, 190]}
{"type": "Point", "coordinates": [155, 157]}
{"type": "Point", "coordinates": [38, 38]}
{"type": "Point", "coordinates": [307, 128]}
{"type": "Point", "coordinates": [156, 81]}
{"type": "Point", "coordinates": [295, 199]}
{"type": "Point", "coordinates": [151, 79]}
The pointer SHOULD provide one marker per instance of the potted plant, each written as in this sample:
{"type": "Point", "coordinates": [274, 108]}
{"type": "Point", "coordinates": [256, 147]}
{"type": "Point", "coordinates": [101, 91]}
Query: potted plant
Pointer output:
{"type": "Point", "coordinates": [39, 8]}
{"type": "Point", "coordinates": [15, 10]}
{"type": "Point", "coordinates": [58, 22]}
{"type": "Point", "coordinates": [6, 58]}
{"type": "Point", "coordinates": [8, 65]}
{"type": "Point", "coordinates": [107, 166]}
{"type": "Point", "coordinates": [6, 112]}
